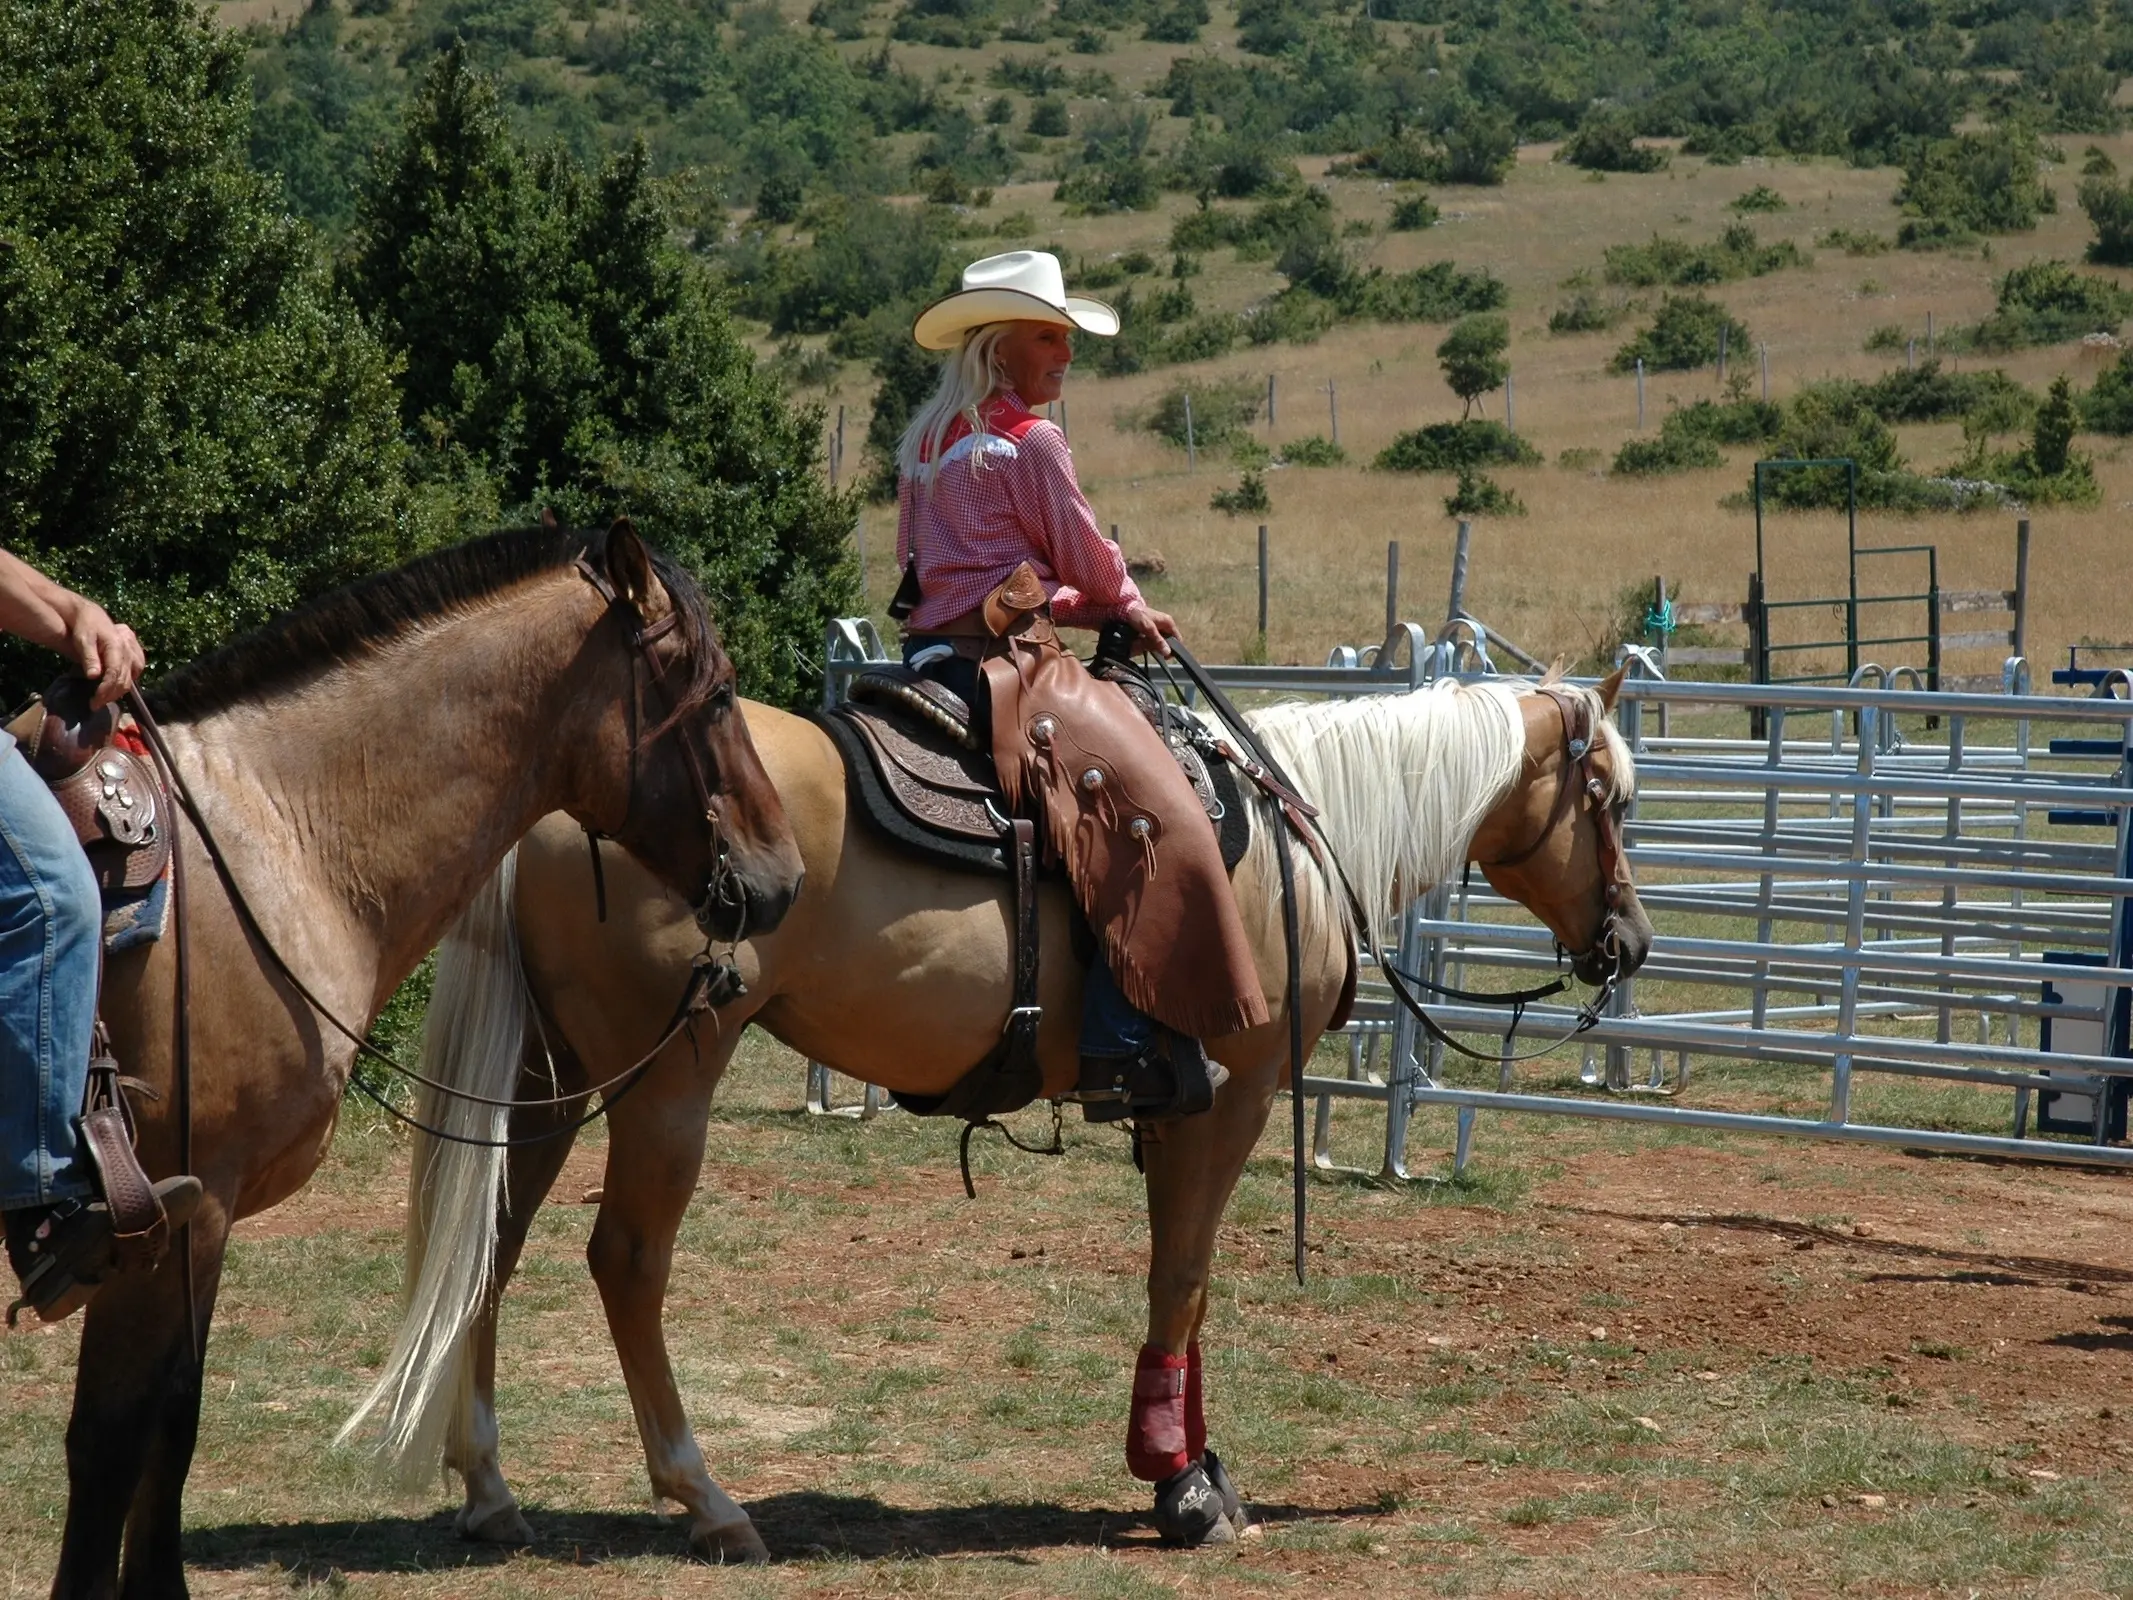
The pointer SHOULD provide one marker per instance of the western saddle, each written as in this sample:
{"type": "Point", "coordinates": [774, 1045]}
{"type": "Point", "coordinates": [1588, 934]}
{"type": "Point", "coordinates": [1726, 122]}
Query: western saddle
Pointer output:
{"type": "Point", "coordinates": [922, 774]}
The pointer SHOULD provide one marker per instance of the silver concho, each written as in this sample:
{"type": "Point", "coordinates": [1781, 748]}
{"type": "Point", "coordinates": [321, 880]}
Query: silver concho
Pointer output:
{"type": "Point", "coordinates": [1092, 779]}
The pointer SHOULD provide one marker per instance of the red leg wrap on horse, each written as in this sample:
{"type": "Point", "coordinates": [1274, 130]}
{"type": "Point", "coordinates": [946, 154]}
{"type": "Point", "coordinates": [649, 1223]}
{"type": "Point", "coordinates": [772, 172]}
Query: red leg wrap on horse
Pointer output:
{"type": "Point", "coordinates": [1155, 1437]}
{"type": "Point", "coordinates": [1195, 1418]}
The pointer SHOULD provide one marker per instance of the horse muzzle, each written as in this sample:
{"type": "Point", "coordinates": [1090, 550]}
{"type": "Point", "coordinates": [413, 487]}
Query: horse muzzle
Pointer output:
{"type": "Point", "coordinates": [737, 903]}
{"type": "Point", "coordinates": [1624, 941]}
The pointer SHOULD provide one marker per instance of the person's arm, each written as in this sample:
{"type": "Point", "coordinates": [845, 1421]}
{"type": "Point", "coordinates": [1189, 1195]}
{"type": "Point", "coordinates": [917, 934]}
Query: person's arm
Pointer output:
{"type": "Point", "coordinates": [35, 608]}
{"type": "Point", "coordinates": [1094, 586]}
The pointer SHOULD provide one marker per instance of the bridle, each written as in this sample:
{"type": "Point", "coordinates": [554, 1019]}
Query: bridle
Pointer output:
{"type": "Point", "coordinates": [1579, 738]}
{"type": "Point", "coordinates": [723, 887]}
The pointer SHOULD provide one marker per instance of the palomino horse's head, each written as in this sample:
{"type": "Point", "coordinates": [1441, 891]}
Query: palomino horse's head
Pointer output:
{"type": "Point", "coordinates": [681, 787]}
{"type": "Point", "coordinates": [1554, 843]}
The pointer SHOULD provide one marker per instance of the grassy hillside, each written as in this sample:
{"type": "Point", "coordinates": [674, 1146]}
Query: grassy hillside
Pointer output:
{"type": "Point", "coordinates": [991, 126]}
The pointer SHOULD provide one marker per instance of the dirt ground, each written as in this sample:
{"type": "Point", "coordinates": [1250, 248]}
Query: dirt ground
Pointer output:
{"type": "Point", "coordinates": [1673, 1364]}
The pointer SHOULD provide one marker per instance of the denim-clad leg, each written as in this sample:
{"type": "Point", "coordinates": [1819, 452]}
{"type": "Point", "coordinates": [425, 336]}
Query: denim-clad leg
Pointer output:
{"type": "Point", "coordinates": [1109, 1026]}
{"type": "Point", "coordinates": [50, 922]}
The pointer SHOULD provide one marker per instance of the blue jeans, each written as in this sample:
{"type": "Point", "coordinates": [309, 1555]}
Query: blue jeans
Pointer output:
{"type": "Point", "coordinates": [51, 920]}
{"type": "Point", "coordinates": [1109, 1025]}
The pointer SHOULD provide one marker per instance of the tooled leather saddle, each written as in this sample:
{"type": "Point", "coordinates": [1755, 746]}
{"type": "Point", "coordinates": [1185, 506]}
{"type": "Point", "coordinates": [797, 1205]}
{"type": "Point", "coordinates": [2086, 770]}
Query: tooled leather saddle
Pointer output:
{"type": "Point", "coordinates": [119, 810]}
{"type": "Point", "coordinates": [921, 773]}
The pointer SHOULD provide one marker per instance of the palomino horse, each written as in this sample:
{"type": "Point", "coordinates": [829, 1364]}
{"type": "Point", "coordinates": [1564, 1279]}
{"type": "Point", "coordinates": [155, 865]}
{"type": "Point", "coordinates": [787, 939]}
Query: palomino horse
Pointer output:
{"type": "Point", "coordinates": [364, 764]}
{"type": "Point", "coordinates": [897, 973]}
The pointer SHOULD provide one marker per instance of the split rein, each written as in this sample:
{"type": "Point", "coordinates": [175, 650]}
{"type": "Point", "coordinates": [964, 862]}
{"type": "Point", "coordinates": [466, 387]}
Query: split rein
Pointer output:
{"type": "Point", "coordinates": [710, 984]}
{"type": "Point", "coordinates": [1260, 766]}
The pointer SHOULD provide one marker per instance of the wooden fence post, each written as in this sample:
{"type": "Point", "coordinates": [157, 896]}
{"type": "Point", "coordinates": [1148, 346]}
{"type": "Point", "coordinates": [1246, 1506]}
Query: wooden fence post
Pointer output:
{"type": "Point", "coordinates": [2021, 589]}
{"type": "Point", "coordinates": [1333, 409]}
{"type": "Point", "coordinates": [1192, 451]}
{"type": "Point", "coordinates": [1640, 394]}
{"type": "Point", "coordinates": [1262, 584]}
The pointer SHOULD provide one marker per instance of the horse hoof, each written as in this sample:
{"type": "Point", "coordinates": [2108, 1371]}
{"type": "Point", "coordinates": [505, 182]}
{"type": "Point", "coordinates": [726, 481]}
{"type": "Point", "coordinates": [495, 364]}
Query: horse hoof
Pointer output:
{"type": "Point", "coordinates": [1189, 1511]}
{"type": "Point", "coordinates": [735, 1543]}
{"type": "Point", "coordinates": [1232, 1504]}
{"type": "Point", "coordinates": [499, 1525]}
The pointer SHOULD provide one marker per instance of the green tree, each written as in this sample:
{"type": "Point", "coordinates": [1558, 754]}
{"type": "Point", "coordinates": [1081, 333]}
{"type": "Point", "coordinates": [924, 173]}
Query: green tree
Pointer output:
{"type": "Point", "coordinates": [1685, 334]}
{"type": "Point", "coordinates": [2052, 442]}
{"type": "Point", "coordinates": [195, 428]}
{"type": "Point", "coordinates": [905, 378]}
{"type": "Point", "coordinates": [1473, 358]}
{"type": "Point", "coordinates": [2109, 205]}
{"type": "Point", "coordinates": [561, 351]}
{"type": "Point", "coordinates": [1973, 183]}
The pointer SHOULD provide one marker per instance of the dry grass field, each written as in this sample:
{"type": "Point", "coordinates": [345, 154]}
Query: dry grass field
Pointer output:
{"type": "Point", "coordinates": [1551, 579]}
{"type": "Point", "coordinates": [1649, 1366]}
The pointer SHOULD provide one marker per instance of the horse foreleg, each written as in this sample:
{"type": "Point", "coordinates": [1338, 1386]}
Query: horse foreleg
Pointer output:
{"type": "Point", "coordinates": [136, 1415]}
{"type": "Point", "coordinates": [491, 1512]}
{"type": "Point", "coordinates": [655, 1151]}
{"type": "Point", "coordinates": [1192, 1169]}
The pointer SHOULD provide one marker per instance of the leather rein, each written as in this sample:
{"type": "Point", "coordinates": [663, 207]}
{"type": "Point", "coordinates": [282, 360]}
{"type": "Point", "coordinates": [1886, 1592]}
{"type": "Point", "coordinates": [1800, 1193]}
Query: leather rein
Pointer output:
{"type": "Point", "coordinates": [710, 983]}
{"type": "Point", "coordinates": [1266, 772]}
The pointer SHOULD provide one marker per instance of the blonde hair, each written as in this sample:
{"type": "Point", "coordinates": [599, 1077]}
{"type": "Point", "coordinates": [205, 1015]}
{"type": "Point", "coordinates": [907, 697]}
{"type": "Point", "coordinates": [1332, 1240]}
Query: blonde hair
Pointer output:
{"type": "Point", "coordinates": [970, 376]}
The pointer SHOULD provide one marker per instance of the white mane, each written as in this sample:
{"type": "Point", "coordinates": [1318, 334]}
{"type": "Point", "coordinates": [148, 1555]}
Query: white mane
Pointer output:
{"type": "Point", "coordinates": [1402, 781]}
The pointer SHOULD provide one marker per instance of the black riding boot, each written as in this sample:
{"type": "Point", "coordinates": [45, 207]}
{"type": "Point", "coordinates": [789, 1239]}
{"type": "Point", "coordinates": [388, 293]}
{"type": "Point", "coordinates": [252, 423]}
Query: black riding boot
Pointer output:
{"type": "Point", "coordinates": [1171, 1077]}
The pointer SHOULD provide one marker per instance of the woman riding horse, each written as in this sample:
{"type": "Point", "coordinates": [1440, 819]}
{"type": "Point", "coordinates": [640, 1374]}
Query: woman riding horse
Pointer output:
{"type": "Point", "coordinates": [59, 1234]}
{"type": "Point", "coordinates": [999, 547]}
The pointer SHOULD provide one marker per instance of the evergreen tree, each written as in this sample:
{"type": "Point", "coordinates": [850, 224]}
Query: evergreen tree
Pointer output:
{"type": "Point", "coordinates": [195, 428]}
{"type": "Point", "coordinates": [562, 351]}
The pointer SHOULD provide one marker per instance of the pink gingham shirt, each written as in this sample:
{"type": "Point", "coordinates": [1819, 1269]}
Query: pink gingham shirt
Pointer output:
{"type": "Point", "coordinates": [1003, 496]}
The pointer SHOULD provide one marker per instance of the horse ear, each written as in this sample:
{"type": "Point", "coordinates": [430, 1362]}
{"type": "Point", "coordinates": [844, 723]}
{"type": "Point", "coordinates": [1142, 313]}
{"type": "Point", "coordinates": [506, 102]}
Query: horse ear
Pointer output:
{"type": "Point", "coordinates": [1554, 674]}
{"type": "Point", "coordinates": [548, 520]}
{"type": "Point", "coordinates": [1610, 686]}
{"type": "Point", "coordinates": [629, 564]}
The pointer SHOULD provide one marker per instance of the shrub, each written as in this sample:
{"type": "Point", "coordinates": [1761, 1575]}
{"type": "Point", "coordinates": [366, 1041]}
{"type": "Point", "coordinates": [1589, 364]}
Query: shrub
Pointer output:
{"type": "Point", "coordinates": [1179, 23]}
{"type": "Point", "coordinates": [1760, 198]}
{"type": "Point", "coordinates": [1413, 213]}
{"type": "Point", "coordinates": [1048, 118]}
{"type": "Point", "coordinates": [1668, 452]}
{"type": "Point", "coordinates": [2045, 302]}
{"type": "Point", "coordinates": [1319, 451]}
{"type": "Point", "coordinates": [1726, 421]}
{"type": "Point", "coordinates": [1586, 312]}
{"type": "Point", "coordinates": [1931, 393]}
{"type": "Point", "coordinates": [1118, 183]}
{"type": "Point", "coordinates": [2109, 205]}
{"type": "Point", "coordinates": [1972, 183]}
{"type": "Point", "coordinates": [1479, 495]}
{"type": "Point", "coordinates": [1439, 292]}
{"type": "Point", "coordinates": [1480, 147]}
{"type": "Point", "coordinates": [1684, 334]}
{"type": "Point", "coordinates": [1248, 496]}
{"type": "Point", "coordinates": [1448, 446]}
{"type": "Point", "coordinates": [2108, 407]}
{"type": "Point", "coordinates": [1606, 142]}
{"type": "Point", "coordinates": [1665, 262]}
{"type": "Point", "coordinates": [1221, 409]}
{"type": "Point", "coordinates": [1854, 243]}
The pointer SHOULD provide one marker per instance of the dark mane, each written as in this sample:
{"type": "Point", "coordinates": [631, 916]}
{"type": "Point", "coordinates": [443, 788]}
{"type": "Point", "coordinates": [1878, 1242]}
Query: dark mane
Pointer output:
{"type": "Point", "coordinates": [354, 622]}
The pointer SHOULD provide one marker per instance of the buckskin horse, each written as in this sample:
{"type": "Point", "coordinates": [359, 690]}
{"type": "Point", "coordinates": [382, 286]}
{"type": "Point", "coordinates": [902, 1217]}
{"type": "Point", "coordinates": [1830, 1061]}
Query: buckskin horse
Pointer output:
{"type": "Point", "coordinates": [896, 972]}
{"type": "Point", "coordinates": [362, 765]}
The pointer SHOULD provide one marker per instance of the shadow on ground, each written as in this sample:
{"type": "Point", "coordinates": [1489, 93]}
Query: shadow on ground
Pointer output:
{"type": "Point", "coordinates": [801, 1526]}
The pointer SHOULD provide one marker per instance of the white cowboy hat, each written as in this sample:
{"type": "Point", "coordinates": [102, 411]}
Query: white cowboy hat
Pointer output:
{"type": "Point", "coordinates": [1021, 286]}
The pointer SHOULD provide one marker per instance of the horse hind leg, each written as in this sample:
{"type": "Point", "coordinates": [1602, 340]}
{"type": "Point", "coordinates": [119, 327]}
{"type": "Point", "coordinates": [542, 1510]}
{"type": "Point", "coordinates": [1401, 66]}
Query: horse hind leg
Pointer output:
{"type": "Point", "coordinates": [655, 1151]}
{"type": "Point", "coordinates": [490, 1513]}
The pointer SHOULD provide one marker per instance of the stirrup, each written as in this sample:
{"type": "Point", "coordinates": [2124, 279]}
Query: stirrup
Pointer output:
{"type": "Point", "coordinates": [1171, 1078]}
{"type": "Point", "coordinates": [70, 1252]}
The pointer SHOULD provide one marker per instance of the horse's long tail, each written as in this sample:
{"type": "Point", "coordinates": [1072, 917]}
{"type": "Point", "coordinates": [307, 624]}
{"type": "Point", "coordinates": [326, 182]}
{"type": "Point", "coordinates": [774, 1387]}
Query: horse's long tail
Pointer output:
{"type": "Point", "coordinates": [473, 1040]}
